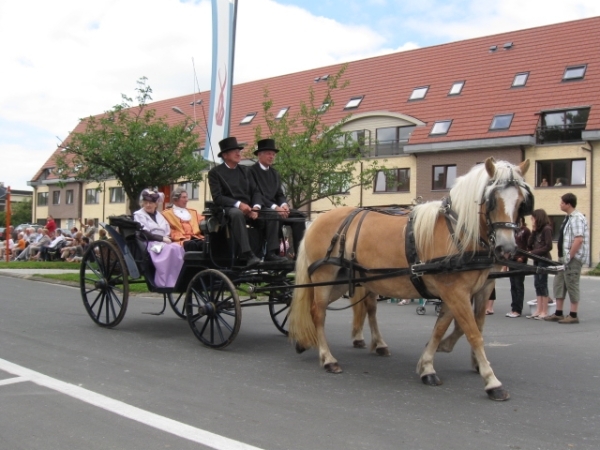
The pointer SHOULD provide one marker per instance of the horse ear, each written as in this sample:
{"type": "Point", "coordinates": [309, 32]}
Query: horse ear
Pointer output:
{"type": "Point", "coordinates": [524, 167]}
{"type": "Point", "coordinates": [490, 166]}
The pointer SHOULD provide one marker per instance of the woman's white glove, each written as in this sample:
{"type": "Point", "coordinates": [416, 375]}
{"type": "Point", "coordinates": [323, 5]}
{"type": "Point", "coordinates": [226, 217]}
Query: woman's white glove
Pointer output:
{"type": "Point", "coordinates": [166, 240]}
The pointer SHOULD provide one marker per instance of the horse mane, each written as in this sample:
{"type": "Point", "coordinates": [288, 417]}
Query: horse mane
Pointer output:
{"type": "Point", "coordinates": [467, 195]}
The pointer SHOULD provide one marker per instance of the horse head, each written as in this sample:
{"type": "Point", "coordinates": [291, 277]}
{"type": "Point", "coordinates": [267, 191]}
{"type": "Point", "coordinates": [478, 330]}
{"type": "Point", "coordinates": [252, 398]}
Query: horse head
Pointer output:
{"type": "Point", "coordinates": [506, 198]}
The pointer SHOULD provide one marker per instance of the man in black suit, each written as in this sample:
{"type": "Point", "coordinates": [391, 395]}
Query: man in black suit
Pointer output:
{"type": "Point", "coordinates": [233, 188]}
{"type": "Point", "coordinates": [273, 199]}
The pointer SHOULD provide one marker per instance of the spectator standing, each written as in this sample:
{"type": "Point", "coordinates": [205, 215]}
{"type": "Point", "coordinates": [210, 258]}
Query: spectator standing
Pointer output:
{"type": "Point", "coordinates": [89, 229]}
{"type": "Point", "coordinates": [573, 252]}
{"type": "Point", "coordinates": [540, 244]}
{"type": "Point", "coordinates": [50, 226]}
{"type": "Point", "coordinates": [517, 282]}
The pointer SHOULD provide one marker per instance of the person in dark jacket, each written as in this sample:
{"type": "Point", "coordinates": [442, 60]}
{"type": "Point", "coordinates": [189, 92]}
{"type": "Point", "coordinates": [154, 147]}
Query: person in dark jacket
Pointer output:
{"type": "Point", "coordinates": [540, 244]}
{"type": "Point", "coordinates": [233, 188]}
{"type": "Point", "coordinates": [517, 282]}
{"type": "Point", "coordinates": [273, 199]}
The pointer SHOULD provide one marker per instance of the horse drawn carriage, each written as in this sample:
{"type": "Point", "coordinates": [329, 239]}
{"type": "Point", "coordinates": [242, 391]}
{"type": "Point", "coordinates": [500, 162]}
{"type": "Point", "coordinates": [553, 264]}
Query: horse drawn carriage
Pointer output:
{"type": "Point", "coordinates": [208, 287]}
{"type": "Point", "coordinates": [446, 249]}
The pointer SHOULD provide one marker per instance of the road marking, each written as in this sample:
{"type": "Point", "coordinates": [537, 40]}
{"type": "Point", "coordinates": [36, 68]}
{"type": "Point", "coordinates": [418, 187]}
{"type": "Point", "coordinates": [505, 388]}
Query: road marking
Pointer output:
{"type": "Point", "coordinates": [13, 380]}
{"type": "Point", "coordinates": [123, 409]}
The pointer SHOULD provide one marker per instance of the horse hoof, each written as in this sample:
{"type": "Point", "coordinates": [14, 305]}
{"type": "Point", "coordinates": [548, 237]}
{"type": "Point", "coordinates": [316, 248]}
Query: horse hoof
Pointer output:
{"type": "Point", "coordinates": [383, 351]}
{"type": "Point", "coordinates": [333, 368]}
{"type": "Point", "coordinates": [431, 380]}
{"type": "Point", "coordinates": [299, 348]}
{"type": "Point", "coordinates": [499, 394]}
{"type": "Point", "coordinates": [359, 343]}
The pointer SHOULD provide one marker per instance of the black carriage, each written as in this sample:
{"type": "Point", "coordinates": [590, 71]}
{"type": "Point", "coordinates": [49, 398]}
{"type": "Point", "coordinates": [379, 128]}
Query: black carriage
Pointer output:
{"type": "Point", "coordinates": [212, 287]}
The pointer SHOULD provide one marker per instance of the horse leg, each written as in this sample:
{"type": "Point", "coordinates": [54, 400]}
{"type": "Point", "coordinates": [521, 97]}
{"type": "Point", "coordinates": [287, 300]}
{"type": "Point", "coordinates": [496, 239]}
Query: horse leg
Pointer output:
{"type": "Point", "coordinates": [425, 365]}
{"type": "Point", "coordinates": [465, 319]}
{"type": "Point", "coordinates": [322, 299]}
{"type": "Point", "coordinates": [378, 345]}
{"type": "Point", "coordinates": [359, 311]}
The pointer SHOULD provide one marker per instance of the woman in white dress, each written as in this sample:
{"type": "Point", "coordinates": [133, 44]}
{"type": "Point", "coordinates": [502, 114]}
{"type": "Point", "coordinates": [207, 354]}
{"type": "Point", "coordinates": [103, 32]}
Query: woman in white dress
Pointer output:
{"type": "Point", "coordinates": [166, 256]}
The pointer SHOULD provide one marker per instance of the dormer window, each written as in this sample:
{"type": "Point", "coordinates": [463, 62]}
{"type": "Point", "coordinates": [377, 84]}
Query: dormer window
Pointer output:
{"type": "Point", "coordinates": [419, 93]}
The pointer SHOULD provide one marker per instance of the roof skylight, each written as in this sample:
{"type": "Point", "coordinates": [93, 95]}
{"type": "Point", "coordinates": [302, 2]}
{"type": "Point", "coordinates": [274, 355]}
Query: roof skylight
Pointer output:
{"type": "Point", "coordinates": [248, 118]}
{"type": "Point", "coordinates": [501, 122]}
{"type": "Point", "coordinates": [520, 79]}
{"type": "Point", "coordinates": [354, 102]}
{"type": "Point", "coordinates": [419, 93]}
{"type": "Point", "coordinates": [456, 88]}
{"type": "Point", "coordinates": [282, 112]}
{"type": "Point", "coordinates": [574, 73]}
{"type": "Point", "coordinates": [440, 127]}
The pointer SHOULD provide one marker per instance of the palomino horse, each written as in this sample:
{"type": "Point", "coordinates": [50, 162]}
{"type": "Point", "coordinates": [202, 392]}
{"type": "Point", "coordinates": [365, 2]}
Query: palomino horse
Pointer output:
{"type": "Point", "coordinates": [449, 238]}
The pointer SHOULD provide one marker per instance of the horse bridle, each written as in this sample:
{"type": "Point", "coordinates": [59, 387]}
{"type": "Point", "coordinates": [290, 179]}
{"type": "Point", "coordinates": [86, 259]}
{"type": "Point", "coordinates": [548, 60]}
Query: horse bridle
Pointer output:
{"type": "Point", "coordinates": [525, 208]}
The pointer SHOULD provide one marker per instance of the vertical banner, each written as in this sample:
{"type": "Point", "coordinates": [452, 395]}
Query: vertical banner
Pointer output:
{"type": "Point", "coordinates": [223, 49]}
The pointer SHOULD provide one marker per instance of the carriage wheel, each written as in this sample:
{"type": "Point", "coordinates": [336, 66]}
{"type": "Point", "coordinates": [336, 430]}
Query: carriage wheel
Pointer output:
{"type": "Point", "coordinates": [420, 310]}
{"type": "Point", "coordinates": [178, 305]}
{"type": "Point", "coordinates": [212, 308]}
{"type": "Point", "coordinates": [279, 306]}
{"type": "Point", "coordinates": [104, 283]}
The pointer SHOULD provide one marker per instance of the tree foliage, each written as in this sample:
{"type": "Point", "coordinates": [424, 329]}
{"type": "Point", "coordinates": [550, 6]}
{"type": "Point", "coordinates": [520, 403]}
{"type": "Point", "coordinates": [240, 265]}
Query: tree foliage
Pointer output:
{"type": "Point", "coordinates": [20, 212]}
{"type": "Point", "coordinates": [316, 160]}
{"type": "Point", "coordinates": [134, 146]}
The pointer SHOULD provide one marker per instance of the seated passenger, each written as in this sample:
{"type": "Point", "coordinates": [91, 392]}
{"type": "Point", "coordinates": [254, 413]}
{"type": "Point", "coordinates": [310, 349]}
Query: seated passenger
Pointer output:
{"type": "Point", "coordinates": [184, 222]}
{"type": "Point", "coordinates": [233, 188]}
{"type": "Point", "coordinates": [268, 182]}
{"type": "Point", "coordinates": [166, 256]}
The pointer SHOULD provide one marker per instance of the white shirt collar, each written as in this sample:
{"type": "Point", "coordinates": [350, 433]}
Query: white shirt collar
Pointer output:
{"type": "Point", "coordinates": [182, 213]}
{"type": "Point", "coordinates": [263, 167]}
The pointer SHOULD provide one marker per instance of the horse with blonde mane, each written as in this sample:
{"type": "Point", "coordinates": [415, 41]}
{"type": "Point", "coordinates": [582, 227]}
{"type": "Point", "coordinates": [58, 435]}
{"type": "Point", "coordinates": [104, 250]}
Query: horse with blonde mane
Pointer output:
{"type": "Point", "coordinates": [444, 249]}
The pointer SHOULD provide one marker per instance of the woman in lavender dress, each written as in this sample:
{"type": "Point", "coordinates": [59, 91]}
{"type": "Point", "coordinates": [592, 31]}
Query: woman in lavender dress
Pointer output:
{"type": "Point", "coordinates": [166, 256]}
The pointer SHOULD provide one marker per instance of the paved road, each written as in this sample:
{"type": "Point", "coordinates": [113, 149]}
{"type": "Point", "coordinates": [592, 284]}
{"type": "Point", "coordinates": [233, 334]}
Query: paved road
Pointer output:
{"type": "Point", "coordinates": [260, 393]}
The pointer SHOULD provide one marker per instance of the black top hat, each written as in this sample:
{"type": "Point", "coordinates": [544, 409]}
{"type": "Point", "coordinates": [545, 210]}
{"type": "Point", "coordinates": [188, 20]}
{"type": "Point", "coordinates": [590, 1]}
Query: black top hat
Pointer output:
{"type": "Point", "coordinates": [265, 144]}
{"type": "Point", "coordinates": [228, 144]}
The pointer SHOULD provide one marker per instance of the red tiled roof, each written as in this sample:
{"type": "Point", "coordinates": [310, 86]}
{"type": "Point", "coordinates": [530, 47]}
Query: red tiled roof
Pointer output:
{"type": "Point", "coordinates": [387, 82]}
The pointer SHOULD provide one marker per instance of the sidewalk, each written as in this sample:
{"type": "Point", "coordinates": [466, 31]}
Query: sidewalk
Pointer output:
{"type": "Point", "coordinates": [27, 273]}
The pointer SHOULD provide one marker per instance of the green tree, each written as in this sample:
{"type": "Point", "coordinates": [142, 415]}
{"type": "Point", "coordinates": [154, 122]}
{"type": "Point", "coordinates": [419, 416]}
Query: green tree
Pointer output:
{"type": "Point", "coordinates": [20, 212]}
{"type": "Point", "coordinates": [316, 160]}
{"type": "Point", "coordinates": [134, 146]}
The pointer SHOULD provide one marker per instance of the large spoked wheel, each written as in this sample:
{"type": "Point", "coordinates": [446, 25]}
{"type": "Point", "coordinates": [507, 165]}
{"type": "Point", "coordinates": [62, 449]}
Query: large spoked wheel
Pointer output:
{"type": "Point", "coordinates": [104, 283]}
{"type": "Point", "coordinates": [212, 307]}
{"type": "Point", "coordinates": [177, 304]}
{"type": "Point", "coordinates": [279, 306]}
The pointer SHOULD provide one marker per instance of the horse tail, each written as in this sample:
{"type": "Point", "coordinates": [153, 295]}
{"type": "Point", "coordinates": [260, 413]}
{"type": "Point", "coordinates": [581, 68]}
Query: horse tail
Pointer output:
{"type": "Point", "coordinates": [302, 329]}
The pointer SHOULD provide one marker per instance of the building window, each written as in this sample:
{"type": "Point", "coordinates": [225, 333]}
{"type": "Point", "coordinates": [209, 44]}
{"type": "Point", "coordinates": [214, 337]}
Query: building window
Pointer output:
{"type": "Point", "coordinates": [246, 120]}
{"type": "Point", "coordinates": [394, 180]}
{"type": "Point", "coordinates": [501, 122]}
{"type": "Point", "coordinates": [69, 197]}
{"type": "Point", "coordinates": [42, 199]}
{"type": "Point", "coordinates": [323, 108]}
{"type": "Point", "coordinates": [440, 127]}
{"type": "Point", "coordinates": [282, 112]}
{"type": "Point", "coordinates": [560, 172]}
{"type": "Point", "coordinates": [56, 197]}
{"type": "Point", "coordinates": [520, 79]}
{"type": "Point", "coordinates": [354, 102]}
{"type": "Point", "coordinates": [92, 196]}
{"type": "Point", "coordinates": [574, 73]}
{"type": "Point", "coordinates": [443, 177]}
{"type": "Point", "coordinates": [195, 191]}
{"type": "Point", "coordinates": [117, 195]}
{"type": "Point", "coordinates": [358, 140]}
{"type": "Point", "coordinates": [419, 93]}
{"type": "Point", "coordinates": [456, 88]}
{"type": "Point", "coordinates": [562, 126]}
{"type": "Point", "coordinates": [337, 183]}
{"type": "Point", "coordinates": [391, 140]}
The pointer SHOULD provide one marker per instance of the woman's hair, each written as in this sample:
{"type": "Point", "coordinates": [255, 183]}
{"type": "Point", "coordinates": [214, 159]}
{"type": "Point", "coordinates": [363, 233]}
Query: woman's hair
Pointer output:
{"type": "Point", "coordinates": [176, 194]}
{"type": "Point", "coordinates": [541, 219]}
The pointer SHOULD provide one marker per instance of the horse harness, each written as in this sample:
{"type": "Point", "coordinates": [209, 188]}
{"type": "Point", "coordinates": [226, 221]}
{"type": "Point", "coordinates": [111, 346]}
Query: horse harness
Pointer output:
{"type": "Point", "coordinates": [480, 260]}
{"type": "Point", "coordinates": [462, 262]}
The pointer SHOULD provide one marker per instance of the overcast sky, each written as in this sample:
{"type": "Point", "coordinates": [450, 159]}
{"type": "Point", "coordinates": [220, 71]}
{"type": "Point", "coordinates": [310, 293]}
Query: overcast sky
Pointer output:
{"type": "Point", "coordinates": [62, 60]}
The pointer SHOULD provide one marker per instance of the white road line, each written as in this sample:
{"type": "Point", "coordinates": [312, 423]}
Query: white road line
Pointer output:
{"type": "Point", "coordinates": [13, 380]}
{"type": "Point", "coordinates": [123, 409]}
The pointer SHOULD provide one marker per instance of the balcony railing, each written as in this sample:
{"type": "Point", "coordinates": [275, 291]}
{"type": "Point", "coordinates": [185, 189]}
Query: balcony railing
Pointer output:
{"type": "Point", "coordinates": [559, 133]}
